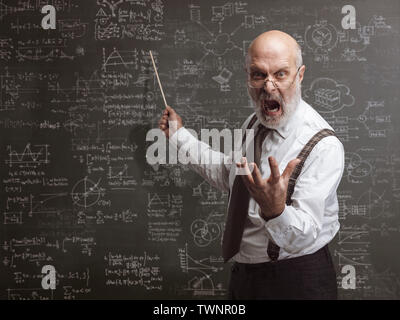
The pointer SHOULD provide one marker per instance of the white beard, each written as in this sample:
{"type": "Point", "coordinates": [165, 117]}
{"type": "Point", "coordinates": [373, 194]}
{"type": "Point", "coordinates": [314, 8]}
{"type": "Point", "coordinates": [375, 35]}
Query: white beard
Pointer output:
{"type": "Point", "coordinates": [288, 108]}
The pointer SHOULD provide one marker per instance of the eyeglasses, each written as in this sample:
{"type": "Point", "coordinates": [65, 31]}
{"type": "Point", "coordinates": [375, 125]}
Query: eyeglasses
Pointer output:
{"type": "Point", "coordinates": [281, 79]}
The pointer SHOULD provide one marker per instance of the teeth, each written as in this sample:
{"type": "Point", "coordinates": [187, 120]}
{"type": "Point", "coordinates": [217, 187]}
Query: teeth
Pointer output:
{"type": "Point", "coordinates": [270, 107]}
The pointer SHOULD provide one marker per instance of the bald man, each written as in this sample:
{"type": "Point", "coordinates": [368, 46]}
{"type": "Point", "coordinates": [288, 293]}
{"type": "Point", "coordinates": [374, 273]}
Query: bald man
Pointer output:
{"type": "Point", "coordinates": [283, 211]}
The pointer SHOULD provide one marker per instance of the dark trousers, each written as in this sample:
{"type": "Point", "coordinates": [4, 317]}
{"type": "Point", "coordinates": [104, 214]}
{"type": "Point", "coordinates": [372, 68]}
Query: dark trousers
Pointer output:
{"type": "Point", "coordinates": [311, 276]}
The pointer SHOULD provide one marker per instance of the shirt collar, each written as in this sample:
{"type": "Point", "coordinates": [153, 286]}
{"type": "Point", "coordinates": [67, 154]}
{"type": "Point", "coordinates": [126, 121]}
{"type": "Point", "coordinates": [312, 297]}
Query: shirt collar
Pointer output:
{"type": "Point", "coordinates": [293, 122]}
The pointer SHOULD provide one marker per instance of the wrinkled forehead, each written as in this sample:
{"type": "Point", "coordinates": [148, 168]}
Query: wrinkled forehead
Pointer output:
{"type": "Point", "coordinates": [271, 53]}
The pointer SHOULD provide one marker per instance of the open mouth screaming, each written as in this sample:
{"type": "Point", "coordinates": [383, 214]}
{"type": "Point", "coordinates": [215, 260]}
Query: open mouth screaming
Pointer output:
{"type": "Point", "coordinates": [271, 107]}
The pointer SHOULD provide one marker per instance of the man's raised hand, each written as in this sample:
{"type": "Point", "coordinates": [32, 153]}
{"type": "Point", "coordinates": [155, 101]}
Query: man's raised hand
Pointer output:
{"type": "Point", "coordinates": [270, 194]}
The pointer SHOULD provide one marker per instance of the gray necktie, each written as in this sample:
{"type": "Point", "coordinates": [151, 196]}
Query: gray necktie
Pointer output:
{"type": "Point", "coordinates": [239, 204]}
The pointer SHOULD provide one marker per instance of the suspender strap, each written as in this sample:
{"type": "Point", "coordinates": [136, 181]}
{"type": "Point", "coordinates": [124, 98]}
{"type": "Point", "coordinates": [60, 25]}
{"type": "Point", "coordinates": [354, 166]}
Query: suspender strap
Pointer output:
{"type": "Point", "coordinates": [303, 156]}
{"type": "Point", "coordinates": [273, 249]}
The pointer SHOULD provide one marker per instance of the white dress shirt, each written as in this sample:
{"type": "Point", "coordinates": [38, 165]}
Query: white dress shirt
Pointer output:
{"type": "Point", "coordinates": [311, 221]}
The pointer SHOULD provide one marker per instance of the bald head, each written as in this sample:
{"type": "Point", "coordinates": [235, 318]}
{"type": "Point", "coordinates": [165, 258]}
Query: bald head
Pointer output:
{"type": "Point", "coordinates": [274, 44]}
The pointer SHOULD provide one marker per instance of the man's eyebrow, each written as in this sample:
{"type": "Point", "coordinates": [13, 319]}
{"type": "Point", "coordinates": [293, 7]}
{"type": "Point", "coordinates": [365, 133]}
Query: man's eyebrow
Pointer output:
{"type": "Point", "coordinates": [283, 68]}
{"type": "Point", "coordinates": [255, 68]}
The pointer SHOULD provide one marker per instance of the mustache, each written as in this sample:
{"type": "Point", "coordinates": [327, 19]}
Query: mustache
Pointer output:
{"type": "Point", "coordinates": [267, 96]}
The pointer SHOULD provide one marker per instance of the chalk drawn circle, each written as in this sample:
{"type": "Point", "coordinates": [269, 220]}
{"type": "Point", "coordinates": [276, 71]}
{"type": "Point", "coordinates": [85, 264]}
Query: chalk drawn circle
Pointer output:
{"type": "Point", "coordinates": [85, 193]}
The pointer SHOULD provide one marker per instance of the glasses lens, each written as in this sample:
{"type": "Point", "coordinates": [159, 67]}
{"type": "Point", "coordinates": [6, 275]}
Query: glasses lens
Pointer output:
{"type": "Point", "coordinates": [255, 83]}
{"type": "Point", "coordinates": [283, 84]}
{"type": "Point", "coordinates": [279, 84]}
{"type": "Point", "coordinates": [261, 83]}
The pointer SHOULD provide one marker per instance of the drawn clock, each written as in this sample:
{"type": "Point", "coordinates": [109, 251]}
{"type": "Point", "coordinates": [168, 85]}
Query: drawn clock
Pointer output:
{"type": "Point", "coordinates": [321, 36]}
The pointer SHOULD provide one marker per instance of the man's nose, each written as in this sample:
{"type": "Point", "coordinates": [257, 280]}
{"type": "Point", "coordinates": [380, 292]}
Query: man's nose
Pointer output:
{"type": "Point", "coordinates": [269, 86]}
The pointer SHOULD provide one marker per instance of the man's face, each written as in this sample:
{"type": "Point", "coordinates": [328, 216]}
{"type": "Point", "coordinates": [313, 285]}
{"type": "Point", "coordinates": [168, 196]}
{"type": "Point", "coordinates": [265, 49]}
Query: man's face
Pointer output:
{"type": "Point", "coordinates": [274, 105]}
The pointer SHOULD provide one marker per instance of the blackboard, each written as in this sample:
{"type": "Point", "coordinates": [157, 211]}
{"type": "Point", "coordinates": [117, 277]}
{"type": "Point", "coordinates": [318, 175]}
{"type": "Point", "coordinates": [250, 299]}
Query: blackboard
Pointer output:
{"type": "Point", "coordinates": [76, 103]}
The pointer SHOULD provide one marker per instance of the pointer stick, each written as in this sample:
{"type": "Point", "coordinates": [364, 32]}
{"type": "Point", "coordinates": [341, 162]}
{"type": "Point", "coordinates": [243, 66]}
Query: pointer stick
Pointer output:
{"type": "Point", "coordinates": [158, 79]}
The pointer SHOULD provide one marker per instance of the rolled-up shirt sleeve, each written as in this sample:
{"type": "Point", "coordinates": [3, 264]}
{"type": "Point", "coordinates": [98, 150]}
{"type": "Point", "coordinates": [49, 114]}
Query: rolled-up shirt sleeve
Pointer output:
{"type": "Point", "coordinates": [212, 165]}
{"type": "Point", "coordinates": [299, 225]}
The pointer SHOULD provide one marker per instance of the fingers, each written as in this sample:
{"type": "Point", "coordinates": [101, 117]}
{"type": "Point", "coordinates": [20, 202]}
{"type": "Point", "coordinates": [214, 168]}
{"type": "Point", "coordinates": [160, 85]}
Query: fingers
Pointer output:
{"type": "Point", "coordinates": [247, 177]}
{"type": "Point", "coordinates": [170, 110]}
{"type": "Point", "coordinates": [253, 178]}
{"type": "Point", "coordinates": [256, 174]}
{"type": "Point", "coordinates": [163, 123]}
{"type": "Point", "coordinates": [275, 174]}
{"type": "Point", "coordinates": [290, 168]}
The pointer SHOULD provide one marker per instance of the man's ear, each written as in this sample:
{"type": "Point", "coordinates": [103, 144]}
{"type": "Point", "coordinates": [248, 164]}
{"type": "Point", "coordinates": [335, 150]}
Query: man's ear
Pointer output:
{"type": "Point", "coordinates": [301, 72]}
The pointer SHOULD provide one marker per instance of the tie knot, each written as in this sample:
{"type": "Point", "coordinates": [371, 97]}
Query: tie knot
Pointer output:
{"type": "Point", "coordinates": [262, 130]}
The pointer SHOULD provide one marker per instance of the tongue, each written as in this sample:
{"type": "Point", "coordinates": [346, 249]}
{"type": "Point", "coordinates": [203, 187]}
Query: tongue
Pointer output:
{"type": "Point", "coordinates": [271, 104]}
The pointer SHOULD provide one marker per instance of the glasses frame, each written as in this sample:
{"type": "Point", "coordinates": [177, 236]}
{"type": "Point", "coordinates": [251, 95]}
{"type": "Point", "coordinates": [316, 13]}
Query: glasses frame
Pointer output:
{"type": "Point", "coordinates": [272, 81]}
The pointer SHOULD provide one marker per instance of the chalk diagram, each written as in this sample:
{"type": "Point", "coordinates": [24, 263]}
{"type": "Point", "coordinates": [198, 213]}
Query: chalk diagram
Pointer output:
{"type": "Point", "coordinates": [202, 283]}
{"type": "Point", "coordinates": [30, 294]}
{"type": "Point", "coordinates": [357, 236]}
{"type": "Point", "coordinates": [11, 91]}
{"type": "Point", "coordinates": [119, 58]}
{"type": "Point", "coordinates": [328, 96]}
{"type": "Point", "coordinates": [355, 41]}
{"type": "Point", "coordinates": [210, 44]}
{"type": "Point", "coordinates": [12, 218]}
{"type": "Point", "coordinates": [222, 79]}
{"type": "Point", "coordinates": [42, 53]}
{"type": "Point", "coordinates": [176, 177]}
{"type": "Point", "coordinates": [207, 193]}
{"type": "Point", "coordinates": [31, 156]}
{"type": "Point", "coordinates": [104, 28]}
{"type": "Point", "coordinates": [41, 203]}
{"type": "Point", "coordinates": [375, 119]}
{"type": "Point", "coordinates": [156, 200]}
{"type": "Point", "coordinates": [354, 257]}
{"type": "Point", "coordinates": [164, 205]}
{"type": "Point", "coordinates": [72, 125]}
{"type": "Point", "coordinates": [321, 38]}
{"type": "Point", "coordinates": [373, 204]}
{"type": "Point", "coordinates": [5, 9]}
{"type": "Point", "coordinates": [356, 167]}
{"type": "Point", "coordinates": [204, 232]}
{"type": "Point", "coordinates": [119, 173]}
{"type": "Point", "coordinates": [85, 193]}
{"type": "Point", "coordinates": [112, 5]}
{"type": "Point", "coordinates": [6, 47]}
{"type": "Point", "coordinates": [44, 203]}
{"type": "Point", "coordinates": [219, 43]}
{"type": "Point", "coordinates": [132, 23]}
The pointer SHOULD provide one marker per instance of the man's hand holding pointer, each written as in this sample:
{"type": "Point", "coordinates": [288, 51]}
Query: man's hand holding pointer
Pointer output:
{"type": "Point", "coordinates": [170, 122]}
